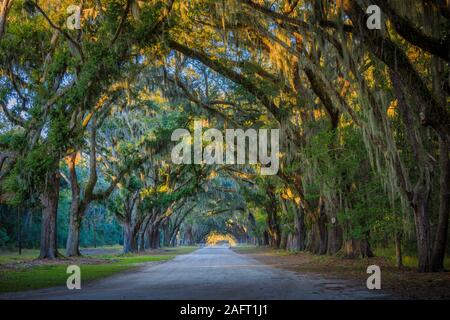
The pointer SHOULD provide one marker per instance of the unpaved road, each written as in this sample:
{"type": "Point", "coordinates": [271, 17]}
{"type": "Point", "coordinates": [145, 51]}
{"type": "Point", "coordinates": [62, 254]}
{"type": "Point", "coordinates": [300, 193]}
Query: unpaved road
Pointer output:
{"type": "Point", "coordinates": [208, 273]}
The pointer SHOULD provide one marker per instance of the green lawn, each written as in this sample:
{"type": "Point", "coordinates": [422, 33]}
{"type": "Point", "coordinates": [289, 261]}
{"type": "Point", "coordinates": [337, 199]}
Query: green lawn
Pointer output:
{"type": "Point", "coordinates": [408, 261]}
{"type": "Point", "coordinates": [12, 257]}
{"type": "Point", "coordinates": [26, 277]}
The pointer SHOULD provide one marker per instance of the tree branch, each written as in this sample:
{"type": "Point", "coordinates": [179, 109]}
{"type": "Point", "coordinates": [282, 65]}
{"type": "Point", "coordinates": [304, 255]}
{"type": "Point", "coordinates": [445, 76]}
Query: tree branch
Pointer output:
{"type": "Point", "coordinates": [438, 47]}
{"type": "Point", "coordinates": [4, 8]}
{"type": "Point", "coordinates": [228, 73]}
{"type": "Point", "coordinates": [65, 34]}
{"type": "Point", "coordinates": [14, 120]}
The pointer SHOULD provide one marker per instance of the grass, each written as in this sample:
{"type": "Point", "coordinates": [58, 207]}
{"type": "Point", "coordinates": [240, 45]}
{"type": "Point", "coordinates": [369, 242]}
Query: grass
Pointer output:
{"type": "Point", "coordinates": [12, 257]}
{"type": "Point", "coordinates": [113, 246]}
{"type": "Point", "coordinates": [25, 273]}
{"type": "Point", "coordinates": [52, 275]}
{"type": "Point", "coordinates": [133, 259]}
{"type": "Point", "coordinates": [408, 261]}
{"type": "Point", "coordinates": [406, 283]}
{"type": "Point", "coordinates": [180, 250]}
{"type": "Point", "coordinates": [8, 257]}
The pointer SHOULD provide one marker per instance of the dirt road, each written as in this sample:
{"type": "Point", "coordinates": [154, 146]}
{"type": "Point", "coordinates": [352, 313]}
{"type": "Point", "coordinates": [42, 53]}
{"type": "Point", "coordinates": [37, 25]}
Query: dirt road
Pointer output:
{"type": "Point", "coordinates": [208, 273]}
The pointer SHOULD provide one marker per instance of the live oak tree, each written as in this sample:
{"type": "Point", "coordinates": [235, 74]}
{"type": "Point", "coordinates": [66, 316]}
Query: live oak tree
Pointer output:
{"type": "Point", "coordinates": [60, 77]}
{"type": "Point", "coordinates": [363, 115]}
{"type": "Point", "coordinates": [383, 49]}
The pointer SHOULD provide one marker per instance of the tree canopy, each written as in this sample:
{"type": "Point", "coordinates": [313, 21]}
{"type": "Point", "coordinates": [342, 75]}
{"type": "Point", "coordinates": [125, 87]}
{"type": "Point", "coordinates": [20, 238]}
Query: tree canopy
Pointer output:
{"type": "Point", "coordinates": [87, 116]}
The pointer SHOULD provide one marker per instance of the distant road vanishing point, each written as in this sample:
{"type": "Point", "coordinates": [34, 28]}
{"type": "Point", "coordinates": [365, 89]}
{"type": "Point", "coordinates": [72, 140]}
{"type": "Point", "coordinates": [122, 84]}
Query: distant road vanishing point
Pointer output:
{"type": "Point", "coordinates": [209, 273]}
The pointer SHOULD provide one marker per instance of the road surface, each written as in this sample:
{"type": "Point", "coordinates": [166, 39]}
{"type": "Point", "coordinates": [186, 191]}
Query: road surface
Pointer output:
{"type": "Point", "coordinates": [208, 273]}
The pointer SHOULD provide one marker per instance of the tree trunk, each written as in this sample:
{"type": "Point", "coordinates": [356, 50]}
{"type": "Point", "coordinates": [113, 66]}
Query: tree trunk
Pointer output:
{"type": "Point", "coordinates": [188, 238]}
{"type": "Point", "coordinates": [5, 5]}
{"type": "Point", "coordinates": [19, 231]}
{"type": "Point", "coordinates": [334, 238]}
{"type": "Point", "coordinates": [440, 240]}
{"type": "Point", "coordinates": [173, 238]}
{"type": "Point", "coordinates": [323, 232]}
{"type": "Point", "coordinates": [419, 197]}
{"type": "Point", "coordinates": [300, 230]}
{"type": "Point", "coordinates": [166, 236]}
{"type": "Point", "coordinates": [423, 234]}
{"type": "Point", "coordinates": [274, 239]}
{"type": "Point", "coordinates": [283, 240]}
{"type": "Point", "coordinates": [155, 237]}
{"type": "Point", "coordinates": [313, 239]}
{"type": "Point", "coordinates": [273, 229]}
{"type": "Point", "coordinates": [356, 248]}
{"type": "Point", "coordinates": [149, 237]}
{"type": "Point", "coordinates": [141, 237]}
{"type": "Point", "coordinates": [289, 242]}
{"type": "Point", "coordinates": [95, 234]}
{"type": "Point", "coordinates": [129, 239]}
{"type": "Point", "coordinates": [49, 200]}
{"type": "Point", "coordinates": [73, 236]}
{"type": "Point", "coordinates": [398, 251]}
{"type": "Point", "coordinates": [265, 239]}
